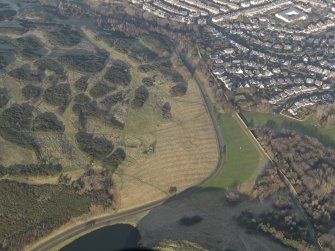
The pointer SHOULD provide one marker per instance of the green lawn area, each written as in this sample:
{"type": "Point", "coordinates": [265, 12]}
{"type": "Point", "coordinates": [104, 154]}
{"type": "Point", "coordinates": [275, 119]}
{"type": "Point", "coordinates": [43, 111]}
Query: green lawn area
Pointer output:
{"type": "Point", "coordinates": [259, 119]}
{"type": "Point", "coordinates": [243, 158]}
{"type": "Point", "coordinates": [309, 126]}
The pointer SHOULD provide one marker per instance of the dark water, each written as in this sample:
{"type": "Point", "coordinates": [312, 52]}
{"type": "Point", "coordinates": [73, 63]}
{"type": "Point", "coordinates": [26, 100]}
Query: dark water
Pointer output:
{"type": "Point", "coordinates": [111, 238]}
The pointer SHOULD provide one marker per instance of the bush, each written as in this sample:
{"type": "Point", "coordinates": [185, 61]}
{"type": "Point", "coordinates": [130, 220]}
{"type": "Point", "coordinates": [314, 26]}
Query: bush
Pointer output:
{"type": "Point", "coordinates": [166, 111]}
{"type": "Point", "coordinates": [118, 73]}
{"type": "Point", "coordinates": [148, 81]}
{"type": "Point", "coordinates": [25, 74]}
{"type": "Point", "coordinates": [179, 89]}
{"type": "Point", "coordinates": [85, 106]}
{"type": "Point", "coordinates": [116, 123]}
{"type": "Point", "coordinates": [96, 147]}
{"type": "Point", "coordinates": [86, 109]}
{"type": "Point", "coordinates": [4, 97]}
{"type": "Point", "coordinates": [82, 98]}
{"type": "Point", "coordinates": [58, 95]}
{"type": "Point", "coordinates": [82, 83]}
{"type": "Point", "coordinates": [6, 58]}
{"type": "Point", "coordinates": [115, 159]}
{"type": "Point", "coordinates": [47, 122]}
{"type": "Point", "coordinates": [31, 92]}
{"type": "Point", "coordinates": [51, 65]}
{"type": "Point", "coordinates": [141, 95]}
{"type": "Point", "coordinates": [113, 99]}
{"type": "Point", "coordinates": [100, 89]}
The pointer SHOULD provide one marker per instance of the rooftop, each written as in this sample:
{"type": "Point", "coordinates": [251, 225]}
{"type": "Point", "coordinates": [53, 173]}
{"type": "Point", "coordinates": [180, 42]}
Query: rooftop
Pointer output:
{"type": "Point", "coordinates": [291, 14]}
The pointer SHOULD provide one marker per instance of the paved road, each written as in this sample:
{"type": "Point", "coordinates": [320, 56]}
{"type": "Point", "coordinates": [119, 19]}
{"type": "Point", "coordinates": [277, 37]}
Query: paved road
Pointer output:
{"type": "Point", "coordinates": [110, 218]}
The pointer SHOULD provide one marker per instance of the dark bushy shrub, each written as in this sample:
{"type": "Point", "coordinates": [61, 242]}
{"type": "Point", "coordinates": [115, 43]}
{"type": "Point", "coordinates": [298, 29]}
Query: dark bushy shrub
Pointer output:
{"type": "Point", "coordinates": [113, 99]}
{"type": "Point", "coordinates": [82, 83]}
{"type": "Point", "coordinates": [179, 89]}
{"type": "Point", "coordinates": [141, 95]}
{"type": "Point", "coordinates": [31, 92]}
{"type": "Point", "coordinates": [64, 36]}
{"type": "Point", "coordinates": [58, 95]}
{"type": "Point", "coordinates": [118, 73]}
{"type": "Point", "coordinates": [84, 61]}
{"type": "Point", "coordinates": [4, 97]}
{"type": "Point", "coordinates": [96, 147]}
{"type": "Point", "coordinates": [100, 89]}
{"type": "Point", "coordinates": [47, 121]}
{"type": "Point", "coordinates": [115, 159]}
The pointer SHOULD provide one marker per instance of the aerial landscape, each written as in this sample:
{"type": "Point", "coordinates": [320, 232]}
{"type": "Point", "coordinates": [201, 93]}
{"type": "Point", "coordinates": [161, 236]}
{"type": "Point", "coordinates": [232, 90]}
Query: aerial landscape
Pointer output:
{"type": "Point", "coordinates": [167, 124]}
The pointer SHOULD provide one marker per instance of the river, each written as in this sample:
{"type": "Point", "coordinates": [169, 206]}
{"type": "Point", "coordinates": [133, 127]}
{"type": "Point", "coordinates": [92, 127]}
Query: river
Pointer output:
{"type": "Point", "coordinates": [111, 238]}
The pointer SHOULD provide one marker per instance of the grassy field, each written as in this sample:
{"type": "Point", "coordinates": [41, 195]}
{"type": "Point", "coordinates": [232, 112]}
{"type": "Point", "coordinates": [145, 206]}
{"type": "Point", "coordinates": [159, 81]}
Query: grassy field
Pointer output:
{"type": "Point", "coordinates": [186, 148]}
{"type": "Point", "coordinates": [259, 119]}
{"type": "Point", "coordinates": [243, 158]}
{"type": "Point", "coordinates": [309, 126]}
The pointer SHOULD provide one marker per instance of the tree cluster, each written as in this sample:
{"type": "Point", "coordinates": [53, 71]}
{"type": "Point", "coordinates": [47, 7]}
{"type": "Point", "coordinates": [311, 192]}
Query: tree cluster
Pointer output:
{"type": "Point", "coordinates": [113, 99]}
{"type": "Point", "coordinates": [47, 121]}
{"type": "Point", "coordinates": [24, 73]}
{"type": "Point", "coordinates": [99, 148]}
{"type": "Point", "coordinates": [15, 125]}
{"type": "Point", "coordinates": [41, 169]}
{"type": "Point", "coordinates": [310, 168]}
{"type": "Point", "coordinates": [85, 106]}
{"type": "Point", "coordinates": [118, 74]}
{"type": "Point", "coordinates": [64, 36]}
{"type": "Point", "coordinates": [82, 83]}
{"type": "Point", "coordinates": [58, 95]}
{"type": "Point", "coordinates": [47, 63]}
{"type": "Point", "coordinates": [30, 47]}
{"type": "Point", "coordinates": [96, 147]}
{"type": "Point", "coordinates": [84, 61]}
{"type": "Point", "coordinates": [100, 89]}
{"type": "Point", "coordinates": [31, 92]}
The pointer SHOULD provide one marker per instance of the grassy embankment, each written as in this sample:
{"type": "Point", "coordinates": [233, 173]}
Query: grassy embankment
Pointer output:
{"type": "Point", "coordinates": [243, 157]}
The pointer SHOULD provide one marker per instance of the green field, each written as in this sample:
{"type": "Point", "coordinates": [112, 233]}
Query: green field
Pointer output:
{"type": "Point", "coordinates": [243, 157]}
{"type": "Point", "coordinates": [309, 126]}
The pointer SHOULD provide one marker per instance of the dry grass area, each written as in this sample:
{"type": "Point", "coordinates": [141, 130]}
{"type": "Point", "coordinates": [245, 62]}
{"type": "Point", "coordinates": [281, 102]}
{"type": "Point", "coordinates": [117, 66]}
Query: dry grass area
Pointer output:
{"type": "Point", "coordinates": [186, 147]}
{"type": "Point", "coordinates": [10, 155]}
{"type": "Point", "coordinates": [186, 153]}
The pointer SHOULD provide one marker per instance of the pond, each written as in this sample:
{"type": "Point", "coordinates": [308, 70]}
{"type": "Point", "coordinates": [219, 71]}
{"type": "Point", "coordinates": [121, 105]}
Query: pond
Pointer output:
{"type": "Point", "coordinates": [111, 238]}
